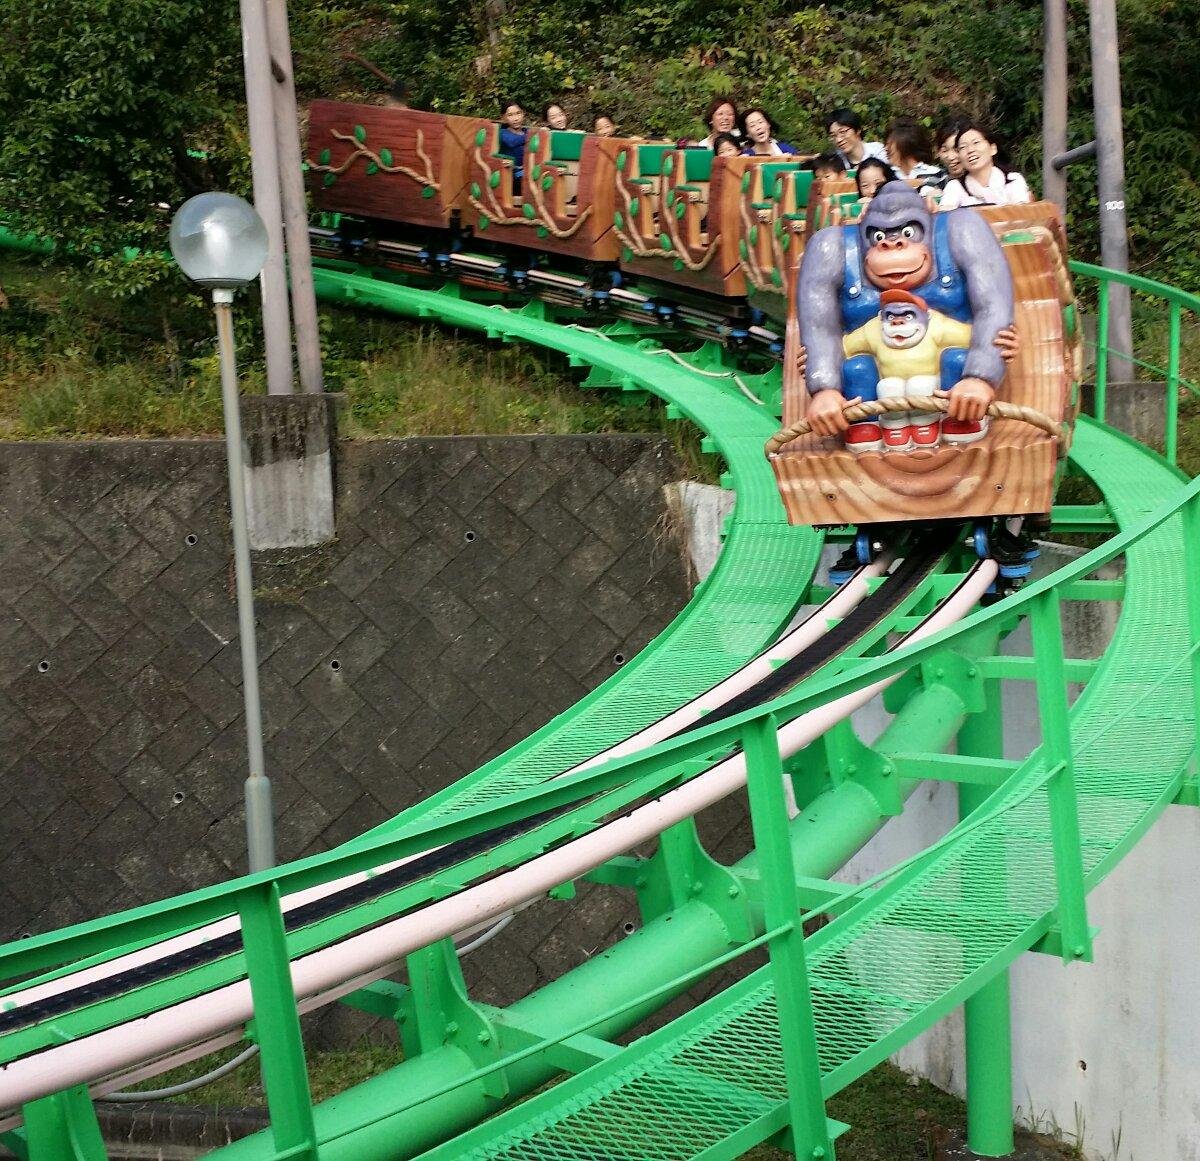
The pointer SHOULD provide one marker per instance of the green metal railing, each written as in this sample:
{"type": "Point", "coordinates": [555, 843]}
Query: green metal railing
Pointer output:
{"type": "Point", "coordinates": [257, 898]}
{"type": "Point", "coordinates": [1179, 302]}
{"type": "Point", "coordinates": [588, 796]}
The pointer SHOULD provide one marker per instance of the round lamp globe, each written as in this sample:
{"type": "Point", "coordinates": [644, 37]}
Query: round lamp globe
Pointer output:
{"type": "Point", "coordinates": [219, 241]}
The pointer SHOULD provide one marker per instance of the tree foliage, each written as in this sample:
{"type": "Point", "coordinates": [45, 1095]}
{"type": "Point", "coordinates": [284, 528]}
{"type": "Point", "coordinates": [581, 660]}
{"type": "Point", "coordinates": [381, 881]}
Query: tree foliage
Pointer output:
{"type": "Point", "coordinates": [102, 99]}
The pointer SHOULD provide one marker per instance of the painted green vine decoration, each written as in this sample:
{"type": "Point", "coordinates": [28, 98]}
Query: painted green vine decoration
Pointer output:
{"type": "Point", "coordinates": [533, 213]}
{"type": "Point", "coordinates": [670, 244]}
{"type": "Point", "coordinates": [381, 162]}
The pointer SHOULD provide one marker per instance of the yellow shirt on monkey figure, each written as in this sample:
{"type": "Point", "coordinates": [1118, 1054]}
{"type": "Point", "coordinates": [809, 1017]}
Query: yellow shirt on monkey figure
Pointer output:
{"type": "Point", "coordinates": [906, 340]}
{"type": "Point", "coordinates": [906, 337]}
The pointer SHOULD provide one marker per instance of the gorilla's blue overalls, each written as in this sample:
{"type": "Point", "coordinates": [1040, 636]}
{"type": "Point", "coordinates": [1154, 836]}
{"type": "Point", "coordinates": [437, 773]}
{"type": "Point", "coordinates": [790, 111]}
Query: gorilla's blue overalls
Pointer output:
{"type": "Point", "coordinates": [945, 291]}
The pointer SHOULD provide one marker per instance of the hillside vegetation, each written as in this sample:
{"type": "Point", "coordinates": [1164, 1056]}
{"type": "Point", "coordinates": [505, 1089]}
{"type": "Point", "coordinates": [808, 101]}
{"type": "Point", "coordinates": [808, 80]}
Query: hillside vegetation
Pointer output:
{"type": "Point", "coordinates": [104, 98]}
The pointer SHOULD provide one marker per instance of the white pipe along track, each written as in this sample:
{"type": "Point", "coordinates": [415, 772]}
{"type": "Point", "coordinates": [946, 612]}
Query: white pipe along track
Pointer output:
{"type": "Point", "coordinates": [792, 643]}
{"type": "Point", "coordinates": [100, 1054]}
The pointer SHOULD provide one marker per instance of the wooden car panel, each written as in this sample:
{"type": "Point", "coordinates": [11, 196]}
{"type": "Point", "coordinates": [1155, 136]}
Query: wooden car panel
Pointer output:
{"type": "Point", "coordinates": [396, 164]}
{"type": "Point", "coordinates": [1010, 472]}
{"type": "Point", "coordinates": [674, 229]}
{"type": "Point", "coordinates": [542, 215]}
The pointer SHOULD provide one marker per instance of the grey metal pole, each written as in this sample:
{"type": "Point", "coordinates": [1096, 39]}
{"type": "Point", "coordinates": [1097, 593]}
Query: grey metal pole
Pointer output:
{"type": "Point", "coordinates": [260, 823]}
{"type": "Point", "coordinates": [1054, 99]}
{"type": "Point", "coordinates": [1110, 157]}
{"type": "Point", "coordinates": [295, 207]}
{"type": "Point", "coordinates": [264, 166]}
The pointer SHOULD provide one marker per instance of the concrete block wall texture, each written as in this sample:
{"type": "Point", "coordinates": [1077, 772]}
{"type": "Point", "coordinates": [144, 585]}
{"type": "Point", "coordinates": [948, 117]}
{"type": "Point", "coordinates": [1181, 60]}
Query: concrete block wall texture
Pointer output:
{"type": "Point", "coordinates": [475, 588]}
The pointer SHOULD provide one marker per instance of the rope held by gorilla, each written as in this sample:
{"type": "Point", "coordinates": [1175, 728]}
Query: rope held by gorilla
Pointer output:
{"type": "Point", "coordinates": [857, 412]}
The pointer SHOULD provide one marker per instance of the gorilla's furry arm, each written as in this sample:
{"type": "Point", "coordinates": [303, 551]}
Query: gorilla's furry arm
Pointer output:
{"type": "Point", "coordinates": [989, 290]}
{"type": "Point", "coordinates": [819, 305]}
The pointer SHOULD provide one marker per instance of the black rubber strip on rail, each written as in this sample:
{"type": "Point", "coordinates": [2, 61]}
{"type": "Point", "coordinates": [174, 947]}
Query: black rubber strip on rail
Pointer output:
{"type": "Point", "coordinates": [919, 561]}
{"type": "Point", "coordinates": [921, 558]}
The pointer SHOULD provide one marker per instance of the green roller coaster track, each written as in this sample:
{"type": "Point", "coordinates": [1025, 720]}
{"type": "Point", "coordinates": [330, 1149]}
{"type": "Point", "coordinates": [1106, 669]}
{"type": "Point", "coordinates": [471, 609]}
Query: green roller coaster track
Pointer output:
{"type": "Point", "coordinates": [758, 1060]}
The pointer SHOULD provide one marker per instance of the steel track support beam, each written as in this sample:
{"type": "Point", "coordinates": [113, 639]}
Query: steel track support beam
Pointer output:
{"type": "Point", "coordinates": [988, 1012]}
{"type": "Point", "coordinates": [63, 1127]}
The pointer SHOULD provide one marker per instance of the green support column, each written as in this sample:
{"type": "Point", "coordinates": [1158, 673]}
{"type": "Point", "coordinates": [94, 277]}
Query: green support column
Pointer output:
{"type": "Point", "coordinates": [63, 1127]}
{"type": "Point", "coordinates": [277, 1025]}
{"type": "Point", "coordinates": [801, 1062]}
{"type": "Point", "coordinates": [988, 1016]}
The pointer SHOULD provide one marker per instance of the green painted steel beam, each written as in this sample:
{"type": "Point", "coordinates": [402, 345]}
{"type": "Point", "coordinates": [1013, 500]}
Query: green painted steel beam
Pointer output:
{"type": "Point", "coordinates": [962, 768]}
{"type": "Point", "coordinates": [1080, 519]}
{"type": "Point", "coordinates": [1026, 668]}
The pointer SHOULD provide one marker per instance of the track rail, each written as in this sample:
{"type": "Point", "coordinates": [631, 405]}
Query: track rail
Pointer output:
{"type": "Point", "coordinates": [1124, 783]}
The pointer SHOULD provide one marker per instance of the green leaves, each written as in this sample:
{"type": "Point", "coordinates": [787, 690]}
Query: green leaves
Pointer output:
{"type": "Point", "coordinates": [548, 182]}
{"type": "Point", "coordinates": [664, 240]}
{"type": "Point", "coordinates": [484, 222]}
{"type": "Point", "coordinates": [528, 210]}
{"type": "Point", "coordinates": [481, 137]}
{"type": "Point", "coordinates": [619, 220]}
{"type": "Point", "coordinates": [428, 192]}
{"type": "Point", "coordinates": [325, 157]}
{"type": "Point", "coordinates": [494, 178]}
{"type": "Point", "coordinates": [328, 179]}
{"type": "Point", "coordinates": [360, 135]}
{"type": "Point", "coordinates": [372, 169]}
{"type": "Point", "coordinates": [622, 160]}
{"type": "Point", "coordinates": [534, 142]}
{"type": "Point", "coordinates": [634, 205]}
{"type": "Point", "coordinates": [385, 155]}
{"type": "Point", "coordinates": [476, 192]}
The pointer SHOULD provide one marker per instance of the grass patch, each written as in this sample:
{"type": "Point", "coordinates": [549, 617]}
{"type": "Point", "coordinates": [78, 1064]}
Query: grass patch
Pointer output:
{"type": "Point", "coordinates": [329, 1073]}
{"type": "Point", "coordinates": [77, 366]}
{"type": "Point", "coordinates": [893, 1117]}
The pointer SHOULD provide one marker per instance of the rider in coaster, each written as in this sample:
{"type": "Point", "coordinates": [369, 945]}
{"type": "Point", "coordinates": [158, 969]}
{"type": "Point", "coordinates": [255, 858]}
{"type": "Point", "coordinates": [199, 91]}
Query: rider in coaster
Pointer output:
{"type": "Point", "coordinates": [952, 261]}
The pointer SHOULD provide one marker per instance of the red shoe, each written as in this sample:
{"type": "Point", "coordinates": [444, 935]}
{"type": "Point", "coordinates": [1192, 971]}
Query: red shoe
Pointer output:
{"type": "Point", "coordinates": [898, 439]}
{"type": "Point", "coordinates": [964, 430]}
{"type": "Point", "coordinates": [926, 435]}
{"type": "Point", "coordinates": [864, 437]}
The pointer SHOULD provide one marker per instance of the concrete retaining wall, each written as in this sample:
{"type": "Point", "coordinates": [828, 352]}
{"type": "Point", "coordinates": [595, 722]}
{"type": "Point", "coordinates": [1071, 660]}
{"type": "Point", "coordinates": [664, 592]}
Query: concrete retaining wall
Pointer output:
{"type": "Point", "coordinates": [475, 588]}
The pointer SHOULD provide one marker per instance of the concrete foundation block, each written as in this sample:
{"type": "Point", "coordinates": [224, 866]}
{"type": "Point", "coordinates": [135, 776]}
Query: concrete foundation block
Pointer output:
{"type": "Point", "coordinates": [289, 469]}
{"type": "Point", "coordinates": [1137, 408]}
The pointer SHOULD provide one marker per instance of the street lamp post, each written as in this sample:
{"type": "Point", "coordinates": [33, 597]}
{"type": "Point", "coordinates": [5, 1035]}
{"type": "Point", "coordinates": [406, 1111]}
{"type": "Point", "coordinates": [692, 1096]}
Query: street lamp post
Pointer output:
{"type": "Point", "coordinates": [220, 243]}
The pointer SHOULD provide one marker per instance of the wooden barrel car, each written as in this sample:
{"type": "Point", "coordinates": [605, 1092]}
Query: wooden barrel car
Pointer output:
{"type": "Point", "coordinates": [1012, 470]}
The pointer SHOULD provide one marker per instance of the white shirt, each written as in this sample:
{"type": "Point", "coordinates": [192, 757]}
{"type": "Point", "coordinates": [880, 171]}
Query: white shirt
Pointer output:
{"type": "Point", "coordinates": [1002, 189]}
{"type": "Point", "coordinates": [870, 149]}
{"type": "Point", "coordinates": [707, 143]}
{"type": "Point", "coordinates": [932, 177]}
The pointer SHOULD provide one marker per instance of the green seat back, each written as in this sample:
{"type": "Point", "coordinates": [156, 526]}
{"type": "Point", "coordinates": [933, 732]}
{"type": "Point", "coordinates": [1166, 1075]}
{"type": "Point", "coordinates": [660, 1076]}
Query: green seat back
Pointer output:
{"type": "Point", "coordinates": [566, 145]}
{"type": "Point", "coordinates": [697, 164]}
{"type": "Point", "coordinates": [650, 158]}
{"type": "Point", "coordinates": [770, 175]}
{"type": "Point", "coordinates": [803, 181]}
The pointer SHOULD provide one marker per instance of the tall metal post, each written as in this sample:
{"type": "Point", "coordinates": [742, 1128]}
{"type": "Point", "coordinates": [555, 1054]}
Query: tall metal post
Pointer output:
{"type": "Point", "coordinates": [797, 1028]}
{"type": "Point", "coordinates": [264, 166]}
{"type": "Point", "coordinates": [1110, 159]}
{"type": "Point", "coordinates": [1054, 99]}
{"type": "Point", "coordinates": [260, 825]}
{"type": "Point", "coordinates": [987, 1014]}
{"type": "Point", "coordinates": [295, 208]}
